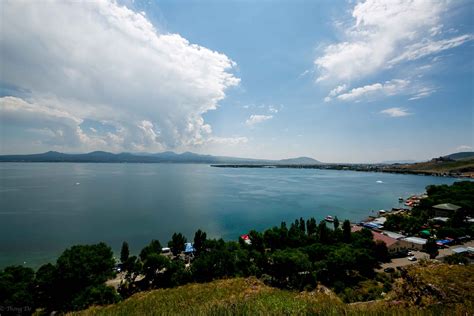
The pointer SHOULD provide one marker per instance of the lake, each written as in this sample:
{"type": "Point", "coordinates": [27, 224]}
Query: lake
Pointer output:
{"type": "Point", "coordinates": [47, 207]}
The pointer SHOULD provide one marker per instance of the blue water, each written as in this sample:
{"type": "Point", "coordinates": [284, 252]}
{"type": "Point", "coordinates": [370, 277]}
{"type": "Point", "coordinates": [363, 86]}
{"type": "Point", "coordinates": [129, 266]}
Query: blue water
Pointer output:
{"type": "Point", "coordinates": [46, 207]}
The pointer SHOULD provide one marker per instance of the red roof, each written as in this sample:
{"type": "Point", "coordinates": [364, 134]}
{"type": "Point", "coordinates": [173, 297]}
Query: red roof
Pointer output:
{"type": "Point", "coordinates": [377, 236]}
{"type": "Point", "coordinates": [245, 237]}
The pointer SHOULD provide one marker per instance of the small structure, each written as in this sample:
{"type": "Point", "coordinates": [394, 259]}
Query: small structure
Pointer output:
{"type": "Point", "coordinates": [246, 239]}
{"type": "Point", "coordinates": [414, 243]}
{"type": "Point", "coordinates": [439, 219]}
{"type": "Point", "coordinates": [393, 235]}
{"type": "Point", "coordinates": [445, 209]}
{"type": "Point", "coordinates": [188, 248]}
{"type": "Point", "coordinates": [394, 246]}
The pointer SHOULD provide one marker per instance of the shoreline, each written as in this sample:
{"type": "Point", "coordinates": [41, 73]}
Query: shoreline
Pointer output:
{"type": "Point", "coordinates": [372, 168]}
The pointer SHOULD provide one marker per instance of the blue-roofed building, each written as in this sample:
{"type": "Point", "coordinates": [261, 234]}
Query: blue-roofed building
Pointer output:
{"type": "Point", "coordinates": [188, 248]}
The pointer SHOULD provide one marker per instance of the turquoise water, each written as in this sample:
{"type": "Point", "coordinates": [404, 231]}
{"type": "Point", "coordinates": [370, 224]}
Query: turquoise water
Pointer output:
{"type": "Point", "coordinates": [46, 207]}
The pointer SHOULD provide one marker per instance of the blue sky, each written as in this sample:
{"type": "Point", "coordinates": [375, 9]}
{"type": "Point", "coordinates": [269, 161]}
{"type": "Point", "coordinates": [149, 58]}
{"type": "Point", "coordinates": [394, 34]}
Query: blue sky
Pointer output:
{"type": "Point", "coordinates": [340, 81]}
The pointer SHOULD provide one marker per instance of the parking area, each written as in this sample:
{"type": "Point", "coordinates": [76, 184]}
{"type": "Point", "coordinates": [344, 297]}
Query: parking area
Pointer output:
{"type": "Point", "coordinates": [400, 262]}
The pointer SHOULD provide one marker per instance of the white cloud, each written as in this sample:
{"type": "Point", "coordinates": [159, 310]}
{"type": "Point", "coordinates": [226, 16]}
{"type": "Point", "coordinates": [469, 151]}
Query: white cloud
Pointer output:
{"type": "Point", "coordinates": [101, 61]}
{"type": "Point", "coordinates": [464, 148]}
{"type": "Point", "coordinates": [391, 87]}
{"type": "Point", "coordinates": [256, 119]}
{"type": "Point", "coordinates": [395, 112]}
{"type": "Point", "coordinates": [273, 109]}
{"type": "Point", "coordinates": [423, 93]}
{"type": "Point", "coordinates": [428, 47]}
{"type": "Point", "coordinates": [379, 31]}
{"type": "Point", "coordinates": [228, 140]}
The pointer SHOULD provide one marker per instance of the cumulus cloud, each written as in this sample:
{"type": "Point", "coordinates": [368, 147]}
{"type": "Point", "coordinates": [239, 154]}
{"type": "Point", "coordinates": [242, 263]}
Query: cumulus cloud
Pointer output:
{"type": "Point", "coordinates": [395, 112]}
{"type": "Point", "coordinates": [256, 119]}
{"type": "Point", "coordinates": [391, 87]}
{"type": "Point", "coordinates": [380, 29]}
{"type": "Point", "coordinates": [100, 61]}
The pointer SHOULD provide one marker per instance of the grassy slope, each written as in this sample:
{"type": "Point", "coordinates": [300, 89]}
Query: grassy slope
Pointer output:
{"type": "Point", "coordinates": [423, 286]}
{"type": "Point", "coordinates": [445, 166]}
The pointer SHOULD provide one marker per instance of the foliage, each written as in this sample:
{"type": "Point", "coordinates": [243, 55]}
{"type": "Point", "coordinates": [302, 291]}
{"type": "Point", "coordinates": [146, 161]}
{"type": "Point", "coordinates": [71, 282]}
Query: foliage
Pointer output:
{"type": "Point", "coordinates": [124, 252]}
{"type": "Point", "coordinates": [177, 243]}
{"type": "Point", "coordinates": [16, 286]}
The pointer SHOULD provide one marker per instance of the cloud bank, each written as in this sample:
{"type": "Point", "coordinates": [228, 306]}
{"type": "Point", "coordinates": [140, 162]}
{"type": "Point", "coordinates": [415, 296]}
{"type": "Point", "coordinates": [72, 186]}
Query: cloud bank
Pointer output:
{"type": "Point", "coordinates": [380, 29]}
{"type": "Point", "coordinates": [97, 61]}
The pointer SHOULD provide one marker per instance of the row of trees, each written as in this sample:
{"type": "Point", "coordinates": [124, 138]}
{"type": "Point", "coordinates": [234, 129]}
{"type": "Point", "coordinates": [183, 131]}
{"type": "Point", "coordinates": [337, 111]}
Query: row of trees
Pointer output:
{"type": "Point", "coordinates": [294, 257]}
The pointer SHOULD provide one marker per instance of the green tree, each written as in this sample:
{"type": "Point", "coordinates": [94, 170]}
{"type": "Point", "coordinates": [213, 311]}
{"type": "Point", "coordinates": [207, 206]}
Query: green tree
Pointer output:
{"type": "Point", "coordinates": [79, 269]}
{"type": "Point", "coordinates": [177, 243]}
{"type": "Point", "coordinates": [381, 251]}
{"type": "Point", "coordinates": [289, 268]}
{"type": "Point", "coordinates": [431, 248]}
{"type": "Point", "coordinates": [124, 252]}
{"type": "Point", "coordinates": [16, 287]}
{"type": "Point", "coordinates": [199, 241]}
{"type": "Point", "coordinates": [153, 265]}
{"type": "Point", "coordinates": [153, 248]}
{"type": "Point", "coordinates": [336, 223]}
{"type": "Point", "coordinates": [45, 287]}
{"type": "Point", "coordinates": [346, 231]}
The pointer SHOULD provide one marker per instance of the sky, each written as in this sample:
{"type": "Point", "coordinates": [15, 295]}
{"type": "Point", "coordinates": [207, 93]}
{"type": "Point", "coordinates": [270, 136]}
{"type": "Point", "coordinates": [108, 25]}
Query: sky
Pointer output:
{"type": "Point", "coordinates": [338, 81]}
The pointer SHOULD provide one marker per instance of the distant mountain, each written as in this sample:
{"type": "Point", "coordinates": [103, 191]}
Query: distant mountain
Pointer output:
{"type": "Point", "coordinates": [299, 161]}
{"type": "Point", "coordinates": [164, 157]}
{"type": "Point", "coordinates": [461, 155]}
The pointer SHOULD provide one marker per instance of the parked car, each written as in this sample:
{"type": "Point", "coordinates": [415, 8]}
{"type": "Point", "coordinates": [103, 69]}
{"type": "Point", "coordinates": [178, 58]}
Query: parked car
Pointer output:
{"type": "Point", "coordinates": [410, 253]}
{"type": "Point", "coordinates": [412, 258]}
{"type": "Point", "coordinates": [389, 270]}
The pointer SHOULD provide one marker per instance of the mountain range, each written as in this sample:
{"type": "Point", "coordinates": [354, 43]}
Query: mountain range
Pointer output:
{"type": "Point", "coordinates": [164, 157]}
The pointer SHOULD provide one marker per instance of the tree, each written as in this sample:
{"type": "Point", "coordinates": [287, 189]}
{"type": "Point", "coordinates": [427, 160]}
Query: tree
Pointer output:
{"type": "Point", "coordinates": [45, 281]}
{"type": "Point", "coordinates": [152, 265]}
{"type": "Point", "coordinates": [346, 231]}
{"type": "Point", "coordinates": [79, 269]}
{"type": "Point", "coordinates": [336, 223]}
{"type": "Point", "coordinates": [199, 241]}
{"type": "Point", "coordinates": [323, 232]}
{"type": "Point", "coordinates": [289, 268]}
{"type": "Point", "coordinates": [153, 247]}
{"type": "Point", "coordinates": [177, 243]}
{"type": "Point", "coordinates": [124, 252]}
{"type": "Point", "coordinates": [256, 240]}
{"type": "Point", "coordinates": [431, 248]}
{"type": "Point", "coordinates": [381, 251]}
{"type": "Point", "coordinates": [311, 226]}
{"type": "Point", "coordinates": [16, 287]}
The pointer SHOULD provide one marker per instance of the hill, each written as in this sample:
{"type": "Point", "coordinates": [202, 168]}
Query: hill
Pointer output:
{"type": "Point", "coordinates": [461, 155]}
{"type": "Point", "coordinates": [423, 289]}
{"type": "Point", "coordinates": [164, 157]}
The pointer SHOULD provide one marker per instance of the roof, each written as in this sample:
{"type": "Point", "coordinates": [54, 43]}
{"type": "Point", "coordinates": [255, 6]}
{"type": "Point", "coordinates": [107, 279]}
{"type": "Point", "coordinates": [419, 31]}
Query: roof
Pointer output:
{"type": "Point", "coordinates": [188, 247]}
{"type": "Point", "coordinates": [460, 250]}
{"type": "Point", "coordinates": [381, 237]}
{"type": "Point", "coordinates": [415, 240]}
{"type": "Point", "coordinates": [447, 207]}
{"type": "Point", "coordinates": [377, 236]}
{"type": "Point", "coordinates": [393, 235]}
{"type": "Point", "coordinates": [440, 219]}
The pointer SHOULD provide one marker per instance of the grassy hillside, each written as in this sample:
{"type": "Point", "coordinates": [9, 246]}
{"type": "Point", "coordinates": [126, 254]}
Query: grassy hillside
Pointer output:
{"type": "Point", "coordinates": [424, 289]}
{"type": "Point", "coordinates": [463, 166]}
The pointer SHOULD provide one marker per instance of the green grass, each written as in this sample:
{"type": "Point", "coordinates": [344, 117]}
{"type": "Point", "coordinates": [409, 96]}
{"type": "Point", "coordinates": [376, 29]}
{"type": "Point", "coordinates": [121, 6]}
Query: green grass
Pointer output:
{"type": "Point", "coordinates": [450, 292]}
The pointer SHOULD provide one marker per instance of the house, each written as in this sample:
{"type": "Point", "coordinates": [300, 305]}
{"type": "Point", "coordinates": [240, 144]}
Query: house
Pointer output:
{"type": "Point", "coordinates": [393, 235]}
{"type": "Point", "coordinates": [414, 243]}
{"type": "Point", "coordinates": [394, 245]}
{"type": "Point", "coordinates": [188, 248]}
{"type": "Point", "coordinates": [445, 209]}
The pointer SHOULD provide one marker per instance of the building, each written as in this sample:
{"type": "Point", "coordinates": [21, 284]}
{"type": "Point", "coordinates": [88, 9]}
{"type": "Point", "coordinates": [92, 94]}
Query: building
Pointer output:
{"type": "Point", "coordinates": [393, 235]}
{"type": "Point", "coordinates": [415, 243]}
{"type": "Point", "coordinates": [445, 209]}
{"type": "Point", "coordinates": [394, 246]}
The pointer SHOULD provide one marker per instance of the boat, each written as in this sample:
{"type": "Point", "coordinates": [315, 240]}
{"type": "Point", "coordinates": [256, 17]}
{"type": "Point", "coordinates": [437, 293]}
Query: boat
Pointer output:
{"type": "Point", "coordinates": [329, 218]}
{"type": "Point", "coordinates": [400, 199]}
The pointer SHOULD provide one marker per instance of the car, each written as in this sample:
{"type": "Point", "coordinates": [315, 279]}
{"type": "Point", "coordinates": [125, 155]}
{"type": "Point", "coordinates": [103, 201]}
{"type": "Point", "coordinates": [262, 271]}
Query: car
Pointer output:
{"type": "Point", "coordinates": [410, 253]}
{"type": "Point", "coordinates": [412, 258]}
{"type": "Point", "coordinates": [389, 270]}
